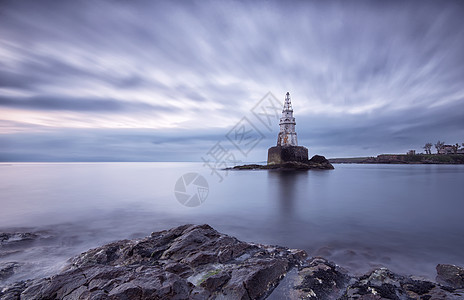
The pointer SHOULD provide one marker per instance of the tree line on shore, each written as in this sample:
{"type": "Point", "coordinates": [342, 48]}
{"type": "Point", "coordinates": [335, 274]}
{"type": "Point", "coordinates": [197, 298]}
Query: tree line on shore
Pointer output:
{"type": "Point", "coordinates": [440, 146]}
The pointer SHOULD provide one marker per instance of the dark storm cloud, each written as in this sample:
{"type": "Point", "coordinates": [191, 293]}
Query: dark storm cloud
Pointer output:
{"type": "Point", "coordinates": [391, 132]}
{"type": "Point", "coordinates": [366, 76]}
{"type": "Point", "coordinates": [77, 104]}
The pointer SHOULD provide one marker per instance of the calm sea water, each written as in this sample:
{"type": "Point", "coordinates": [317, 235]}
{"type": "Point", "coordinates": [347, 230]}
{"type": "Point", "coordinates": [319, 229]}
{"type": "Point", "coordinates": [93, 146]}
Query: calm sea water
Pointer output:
{"type": "Point", "coordinates": [405, 217]}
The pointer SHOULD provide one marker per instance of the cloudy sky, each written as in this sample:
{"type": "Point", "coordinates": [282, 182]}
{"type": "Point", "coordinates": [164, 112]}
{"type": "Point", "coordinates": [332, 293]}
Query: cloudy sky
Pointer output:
{"type": "Point", "coordinates": [168, 80]}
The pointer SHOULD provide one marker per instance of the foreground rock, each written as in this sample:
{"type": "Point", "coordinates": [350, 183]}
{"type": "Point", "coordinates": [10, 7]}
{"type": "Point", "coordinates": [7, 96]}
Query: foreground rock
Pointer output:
{"type": "Point", "coordinates": [383, 284]}
{"type": "Point", "coordinates": [16, 238]}
{"type": "Point", "coordinates": [187, 262]}
{"type": "Point", "coordinates": [317, 279]}
{"type": "Point", "coordinates": [7, 269]}
{"type": "Point", "coordinates": [316, 162]}
{"type": "Point", "coordinates": [197, 262]}
{"type": "Point", "coordinates": [450, 275]}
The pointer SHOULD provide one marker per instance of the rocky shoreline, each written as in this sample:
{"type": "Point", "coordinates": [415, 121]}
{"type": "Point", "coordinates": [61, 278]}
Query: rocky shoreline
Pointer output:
{"type": "Point", "coordinates": [453, 159]}
{"type": "Point", "coordinates": [197, 262]}
{"type": "Point", "coordinates": [317, 162]}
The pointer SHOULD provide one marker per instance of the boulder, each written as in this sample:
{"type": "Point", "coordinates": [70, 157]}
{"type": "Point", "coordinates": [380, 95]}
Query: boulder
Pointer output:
{"type": "Point", "coordinates": [6, 237]}
{"type": "Point", "coordinates": [384, 284]}
{"type": "Point", "coordinates": [318, 159]}
{"type": "Point", "coordinates": [7, 269]}
{"type": "Point", "coordinates": [321, 279]}
{"type": "Point", "coordinates": [450, 275]}
{"type": "Point", "coordinates": [186, 262]}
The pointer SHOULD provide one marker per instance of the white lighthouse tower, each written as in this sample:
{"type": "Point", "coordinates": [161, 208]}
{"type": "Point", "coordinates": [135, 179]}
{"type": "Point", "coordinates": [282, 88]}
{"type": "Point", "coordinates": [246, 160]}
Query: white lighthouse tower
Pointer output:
{"type": "Point", "coordinates": [287, 133]}
{"type": "Point", "coordinates": [287, 149]}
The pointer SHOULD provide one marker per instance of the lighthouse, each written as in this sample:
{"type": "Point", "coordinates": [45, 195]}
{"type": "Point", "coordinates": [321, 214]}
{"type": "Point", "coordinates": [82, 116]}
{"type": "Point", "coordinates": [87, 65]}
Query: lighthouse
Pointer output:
{"type": "Point", "coordinates": [287, 149]}
{"type": "Point", "coordinates": [287, 133]}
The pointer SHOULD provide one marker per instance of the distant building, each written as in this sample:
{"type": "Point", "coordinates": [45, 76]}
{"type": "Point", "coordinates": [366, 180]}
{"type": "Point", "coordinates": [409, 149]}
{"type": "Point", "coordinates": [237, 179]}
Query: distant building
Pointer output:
{"type": "Point", "coordinates": [411, 152]}
{"type": "Point", "coordinates": [449, 149]}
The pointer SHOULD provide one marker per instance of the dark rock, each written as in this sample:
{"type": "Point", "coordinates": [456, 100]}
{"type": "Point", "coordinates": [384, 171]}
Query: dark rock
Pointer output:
{"type": "Point", "coordinates": [316, 162]}
{"type": "Point", "coordinates": [229, 248]}
{"type": "Point", "coordinates": [179, 269]}
{"type": "Point", "coordinates": [200, 258]}
{"type": "Point", "coordinates": [187, 262]}
{"type": "Point", "coordinates": [12, 291]}
{"type": "Point", "coordinates": [12, 244]}
{"type": "Point", "coordinates": [321, 279]}
{"type": "Point", "coordinates": [383, 284]}
{"type": "Point", "coordinates": [116, 283]}
{"type": "Point", "coordinates": [320, 162]}
{"type": "Point", "coordinates": [318, 159]}
{"type": "Point", "coordinates": [15, 239]}
{"type": "Point", "coordinates": [419, 287]}
{"type": "Point", "coordinates": [7, 269]}
{"type": "Point", "coordinates": [247, 167]}
{"type": "Point", "coordinates": [197, 262]}
{"type": "Point", "coordinates": [450, 275]}
{"type": "Point", "coordinates": [215, 281]}
{"type": "Point", "coordinates": [255, 278]}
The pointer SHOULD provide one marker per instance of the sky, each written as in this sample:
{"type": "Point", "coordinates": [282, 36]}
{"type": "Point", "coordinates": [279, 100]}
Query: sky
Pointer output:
{"type": "Point", "coordinates": [176, 80]}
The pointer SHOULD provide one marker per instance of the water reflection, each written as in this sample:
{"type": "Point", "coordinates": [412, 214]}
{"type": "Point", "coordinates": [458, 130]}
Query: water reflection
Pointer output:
{"type": "Point", "coordinates": [286, 187]}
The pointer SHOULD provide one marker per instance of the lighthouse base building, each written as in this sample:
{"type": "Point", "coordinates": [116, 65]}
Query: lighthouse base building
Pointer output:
{"type": "Point", "coordinates": [287, 149]}
{"type": "Point", "coordinates": [280, 155]}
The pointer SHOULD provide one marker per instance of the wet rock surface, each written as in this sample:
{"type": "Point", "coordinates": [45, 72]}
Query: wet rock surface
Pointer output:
{"type": "Point", "coordinates": [8, 268]}
{"type": "Point", "coordinates": [197, 262]}
{"type": "Point", "coordinates": [450, 275]}
{"type": "Point", "coordinates": [321, 279]}
{"type": "Point", "coordinates": [316, 162]}
{"type": "Point", "coordinates": [187, 262]}
{"type": "Point", "coordinates": [383, 284]}
{"type": "Point", "coordinates": [7, 239]}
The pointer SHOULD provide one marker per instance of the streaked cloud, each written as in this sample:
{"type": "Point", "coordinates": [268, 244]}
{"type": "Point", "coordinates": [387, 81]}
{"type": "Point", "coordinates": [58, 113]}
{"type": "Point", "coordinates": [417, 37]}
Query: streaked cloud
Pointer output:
{"type": "Point", "coordinates": [366, 77]}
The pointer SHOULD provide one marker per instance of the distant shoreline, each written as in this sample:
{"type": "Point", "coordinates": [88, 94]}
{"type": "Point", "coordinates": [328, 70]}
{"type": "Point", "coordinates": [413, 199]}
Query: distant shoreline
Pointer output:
{"type": "Point", "coordinates": [449, 159]}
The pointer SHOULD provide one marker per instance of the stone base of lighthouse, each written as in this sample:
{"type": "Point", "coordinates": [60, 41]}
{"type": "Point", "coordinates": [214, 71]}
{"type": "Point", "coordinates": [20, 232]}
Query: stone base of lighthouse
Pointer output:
{"type": "Point", "coordinates": [282, 154]}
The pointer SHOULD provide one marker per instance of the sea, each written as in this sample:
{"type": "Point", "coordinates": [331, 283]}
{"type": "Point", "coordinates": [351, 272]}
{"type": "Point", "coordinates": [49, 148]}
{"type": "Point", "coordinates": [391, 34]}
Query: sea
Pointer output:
{"type": "Point", "coordinates": [408, 218]}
